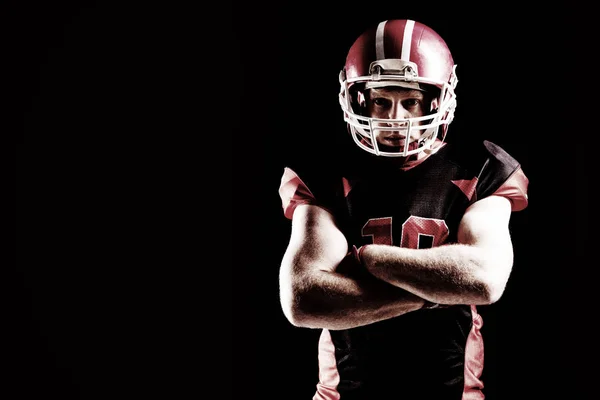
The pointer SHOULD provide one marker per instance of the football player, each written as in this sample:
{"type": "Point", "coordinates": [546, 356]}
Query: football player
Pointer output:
{"type": "Point", "coordinates": [390, 258]}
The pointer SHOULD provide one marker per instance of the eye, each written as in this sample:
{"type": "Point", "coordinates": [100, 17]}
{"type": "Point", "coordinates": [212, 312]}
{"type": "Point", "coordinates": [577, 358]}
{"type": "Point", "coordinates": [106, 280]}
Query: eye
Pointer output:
{"type": "Point", "coordinates": [411, 103]}
{"type": "Point", "coordinates": [381, 102]}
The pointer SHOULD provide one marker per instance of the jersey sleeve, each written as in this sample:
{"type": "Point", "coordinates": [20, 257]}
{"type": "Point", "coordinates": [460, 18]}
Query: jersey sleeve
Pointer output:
{"type": "Point", "coordinates": [515, 190]}
{"type": "Point", "coordinates": [293, 191]}
{"type": "Point", "coordinates": [502, 175]}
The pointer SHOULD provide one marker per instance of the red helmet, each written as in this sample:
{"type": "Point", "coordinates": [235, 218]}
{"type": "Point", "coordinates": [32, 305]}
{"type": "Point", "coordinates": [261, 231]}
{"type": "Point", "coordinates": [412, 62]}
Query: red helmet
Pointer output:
{"type": "Point", "coordinates": [401, 53]}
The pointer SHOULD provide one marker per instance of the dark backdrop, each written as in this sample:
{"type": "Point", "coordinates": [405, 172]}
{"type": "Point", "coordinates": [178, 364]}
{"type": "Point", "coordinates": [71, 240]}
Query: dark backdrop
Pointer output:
{"type": "Point", "coordinates": [149, 144]}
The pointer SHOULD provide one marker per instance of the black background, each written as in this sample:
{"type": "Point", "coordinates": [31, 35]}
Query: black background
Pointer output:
{"type": "Point", "coordinates": [149, 143]}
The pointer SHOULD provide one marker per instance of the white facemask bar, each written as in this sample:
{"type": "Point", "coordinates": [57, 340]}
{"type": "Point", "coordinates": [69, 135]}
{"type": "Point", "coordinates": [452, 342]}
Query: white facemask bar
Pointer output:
{"type": "Point", "coordinates": [363, 128]}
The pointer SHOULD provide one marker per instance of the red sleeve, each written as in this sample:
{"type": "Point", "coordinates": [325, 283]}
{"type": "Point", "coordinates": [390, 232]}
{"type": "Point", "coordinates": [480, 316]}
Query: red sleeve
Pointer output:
{"type": "Point", "coordinates": [293, 192]}
{"type": "Point", "coordinates": [515, 189]}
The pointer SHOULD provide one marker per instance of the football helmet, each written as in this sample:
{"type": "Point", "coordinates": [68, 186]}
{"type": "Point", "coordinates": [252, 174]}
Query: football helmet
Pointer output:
{"type": "Point", "coordinates": [403, 53]}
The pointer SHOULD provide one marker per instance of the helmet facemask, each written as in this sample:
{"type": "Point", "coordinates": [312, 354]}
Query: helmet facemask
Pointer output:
{"type": "Point", "coordinates": [429, 129]}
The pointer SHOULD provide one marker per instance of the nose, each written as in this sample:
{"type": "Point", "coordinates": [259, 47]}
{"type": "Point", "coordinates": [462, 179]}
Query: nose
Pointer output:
{"type": "Point", "coordinates": [397, 111]}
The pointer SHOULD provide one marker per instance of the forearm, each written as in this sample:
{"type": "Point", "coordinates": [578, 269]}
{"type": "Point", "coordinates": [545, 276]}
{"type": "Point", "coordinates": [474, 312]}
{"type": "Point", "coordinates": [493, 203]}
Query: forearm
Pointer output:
{"type": "Point", "coordinates": [337, 301]}
{"type": "Point", "coordinates": [449, 274]}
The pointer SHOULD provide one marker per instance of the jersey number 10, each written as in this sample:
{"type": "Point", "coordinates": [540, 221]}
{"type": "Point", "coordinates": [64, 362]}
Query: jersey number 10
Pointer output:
{"type": "Point", "coordinates": [417, 232]}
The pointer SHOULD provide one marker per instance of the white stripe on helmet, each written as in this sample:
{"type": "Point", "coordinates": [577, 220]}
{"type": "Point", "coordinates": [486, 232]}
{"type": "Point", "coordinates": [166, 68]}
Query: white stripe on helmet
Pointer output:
{"type": "Point", "coordinates": [379, 52]}
{"type": "Point", "coordinates": [407, 40]}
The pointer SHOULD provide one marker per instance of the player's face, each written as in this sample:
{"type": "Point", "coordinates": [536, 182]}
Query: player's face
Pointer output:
{"type": "Point", "coordinates": [395, 103]}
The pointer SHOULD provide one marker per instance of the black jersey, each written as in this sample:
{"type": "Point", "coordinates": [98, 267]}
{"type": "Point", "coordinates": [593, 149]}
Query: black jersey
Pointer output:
{"type": "Point", "coordinates": [430, 353]}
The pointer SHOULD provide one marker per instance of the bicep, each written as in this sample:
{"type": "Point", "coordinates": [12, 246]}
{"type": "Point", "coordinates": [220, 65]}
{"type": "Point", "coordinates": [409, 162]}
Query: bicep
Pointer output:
{"type": "Point", "coordinates": [315, 241]}
{"type": "Point", "coordinates": [485, 225]}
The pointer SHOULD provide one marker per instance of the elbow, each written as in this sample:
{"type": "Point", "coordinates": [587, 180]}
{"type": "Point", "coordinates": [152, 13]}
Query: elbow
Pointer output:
{"type": "Point", "coordinates": [493, 293]}
{"type": "Point", "coordinates": [294, 308]}
{"type": "Point", "coordinates": [299, 299]}
{"type": "Point", "coordinates": [492, 270]}
{"type": "Point", "coordinates": [292, 311]}
{"type": "Point", "coordinates": [298, 317]}
{"type": "Point", "coordinates": [292, 296]}
{"type": "Point", "coordinates": [493, 286]}
{"type": "Point", "coordinates": [288, 305]}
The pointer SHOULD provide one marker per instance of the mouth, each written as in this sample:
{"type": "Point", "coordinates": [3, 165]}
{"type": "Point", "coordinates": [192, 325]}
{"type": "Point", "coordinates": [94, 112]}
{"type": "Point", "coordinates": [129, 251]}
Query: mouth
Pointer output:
{"type": "Point", "coordinates": [399, 141]}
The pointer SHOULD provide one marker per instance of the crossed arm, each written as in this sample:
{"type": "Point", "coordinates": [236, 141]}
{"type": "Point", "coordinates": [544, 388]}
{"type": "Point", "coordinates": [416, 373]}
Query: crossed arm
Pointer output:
{"type": "Point", "coordinates": [321, 286]}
